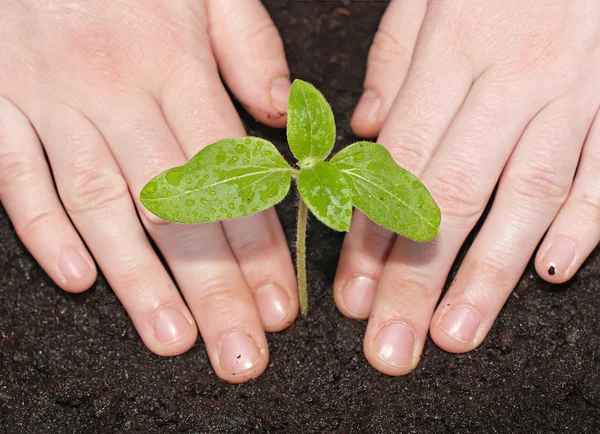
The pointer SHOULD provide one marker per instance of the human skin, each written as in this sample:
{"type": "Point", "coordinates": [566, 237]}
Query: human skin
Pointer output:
{"type": "Point", "coordinates": [469, 95]}
{"type": "Point", "coordinates": [115, 92]}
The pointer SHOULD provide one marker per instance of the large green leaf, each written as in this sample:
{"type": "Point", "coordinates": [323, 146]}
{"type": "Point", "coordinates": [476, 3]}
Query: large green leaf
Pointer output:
{"type": "Point", "coordinates": [228, 179]}
{"type": "Point", "coordinates": [310, 125]}
{"type": "Point", "coordinates": [386, 193]}
{"type": "Point", "coordinates": [325, 191]}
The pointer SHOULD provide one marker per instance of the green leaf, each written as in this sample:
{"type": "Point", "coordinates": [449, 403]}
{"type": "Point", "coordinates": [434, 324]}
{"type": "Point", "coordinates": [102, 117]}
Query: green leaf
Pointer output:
{"type": "Point", "coordinates": [388, 194]}
{"type": "Point", "coordinates": [325, 191]}
{"type": "Point", "coordinates": [310, 125]}
{"type": "Point", "coordinates": [228, 179]}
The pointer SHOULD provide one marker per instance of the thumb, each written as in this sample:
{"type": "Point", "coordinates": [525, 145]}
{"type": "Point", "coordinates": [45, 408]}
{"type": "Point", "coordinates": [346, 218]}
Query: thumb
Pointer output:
{"type": "Point", "coordinates": [251, 58]}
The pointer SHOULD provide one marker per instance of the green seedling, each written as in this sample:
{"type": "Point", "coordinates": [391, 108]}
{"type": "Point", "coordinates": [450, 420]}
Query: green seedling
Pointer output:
{"type": "Point", "coordinates": [244, 176]}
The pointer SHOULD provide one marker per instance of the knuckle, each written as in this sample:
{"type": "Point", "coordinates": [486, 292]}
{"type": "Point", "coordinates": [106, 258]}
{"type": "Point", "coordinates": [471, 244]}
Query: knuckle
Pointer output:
{"type": "Point", "coordinates": [18, 169]}
{"type": "Point", "coordinates": [262, 30]}
{"type": "Point", "coordinates": [35, 224]}
{"type": "Point", "coordinates": [411, 150]}
{"type": "Point", "coordinates": [217, 294]}
{"type": "Point", "coordinates": [458, 192]}
{"type": "Point", "coordinates": [587, 205]}
{"type": "Point", "coordinates": [539, 182]}
{"type": "Point", "coordinates": [415, 285]}
{"type": "Point", "coordinates": [386, 47]}
{"type": "Point", "coordinates": [153, 222]}
{"type": "Point", "coordinates": [253, 241]}
{"type": "Point", "coordinates": [91, 187]}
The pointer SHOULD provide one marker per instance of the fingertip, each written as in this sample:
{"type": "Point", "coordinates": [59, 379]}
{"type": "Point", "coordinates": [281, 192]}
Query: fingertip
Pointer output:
{"type": "Point", "coordinates": [354, 298]}
{"type": "Point", "coordinates": [76, 270]}
{"type": "Point", "coordinates": [241, 357]}
{"type": "Point", "coordinates": [277, 310]}
{"type": "Point", "coordinates": [174, 332]}
{"type": "Point", "coordinates": [456, 328]}
{"type": "Point", "coordinates": [366, 120]}
{"type": "Point", "coordinates": [555, 261]}
{"type": "Point", "coordinates": [393, 349]}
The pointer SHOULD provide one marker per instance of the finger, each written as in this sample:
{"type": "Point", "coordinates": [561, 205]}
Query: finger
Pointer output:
{"type": "Point", "coordinates": [575, 232]}
{"type": "Point", "coordinates": [460, 177]}
{"type": "Point", "coordinates": [390, 56]}
{"type": "Point", "coordinates": [418, 121]}
{"type": "Point", "coordinates": [251, 58]}
{"type": "Point", "coordinates": [28, 195]}
{"type": "Point", "coordinates": [198, 255]}
{"type": "Point", "coordinates": [96, 197]}
{"type": "Point", "coordinates": [258, 241]}
{"type": "Point", "coordinates": [535, 183]}
{"type": "Point", "coordinates": [363, 256]}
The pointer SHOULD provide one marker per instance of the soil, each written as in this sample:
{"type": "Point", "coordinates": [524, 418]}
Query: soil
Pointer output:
{"type": "Point", "coordinates": [74, 363]}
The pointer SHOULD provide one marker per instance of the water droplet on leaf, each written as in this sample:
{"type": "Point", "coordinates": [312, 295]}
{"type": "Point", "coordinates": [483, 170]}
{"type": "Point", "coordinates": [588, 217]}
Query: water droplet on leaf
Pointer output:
{"type": "Point", "coordinates": [174, 177]}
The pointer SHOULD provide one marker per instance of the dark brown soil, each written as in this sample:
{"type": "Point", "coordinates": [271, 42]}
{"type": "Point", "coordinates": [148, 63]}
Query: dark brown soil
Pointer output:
{"type": "Point", "coordinates": [75, 363]}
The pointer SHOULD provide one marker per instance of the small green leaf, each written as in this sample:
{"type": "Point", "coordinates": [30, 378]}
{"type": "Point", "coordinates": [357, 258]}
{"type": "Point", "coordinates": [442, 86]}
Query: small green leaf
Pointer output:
{"type": "Point", "coordinates": [325, 191]}
{"type": "Point", "coordinates": [228, 179]}
{"type": "Point", "coordinates": [388, 194]}
{"type": "Point", "coordinates": [310, 125]}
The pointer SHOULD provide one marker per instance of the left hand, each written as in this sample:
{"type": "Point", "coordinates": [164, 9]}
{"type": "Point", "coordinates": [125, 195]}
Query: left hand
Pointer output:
{"type": "Point", "coordinates": [495, 92]}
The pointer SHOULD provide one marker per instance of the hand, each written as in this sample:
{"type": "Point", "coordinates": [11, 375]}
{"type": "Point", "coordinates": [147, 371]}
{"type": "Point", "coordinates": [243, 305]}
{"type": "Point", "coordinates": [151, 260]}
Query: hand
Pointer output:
{"type": "Point", "coordinates": [500, 93]}
{"type": "Point", "coordinates": [116, 92]}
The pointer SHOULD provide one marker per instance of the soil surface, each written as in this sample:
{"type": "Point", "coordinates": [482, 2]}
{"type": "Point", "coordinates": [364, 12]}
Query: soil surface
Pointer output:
{"type": "Point", "coordinates": [75, 363]}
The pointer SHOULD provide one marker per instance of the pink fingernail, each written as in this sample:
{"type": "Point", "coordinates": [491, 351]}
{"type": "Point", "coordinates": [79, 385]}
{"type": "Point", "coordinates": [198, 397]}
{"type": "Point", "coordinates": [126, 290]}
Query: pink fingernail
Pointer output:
{"type": "Point", "coordinates": [395, 345]}
{"type": "Point", "coordinates": [461, 324]}
{"type": "Point", "coordinates": [170, 325]}
{"type": "Point", "coordinates": [239, 352]}
{"type": "Point", "coordinates": [280, 92]}
{"type": "Point", "coordinates": [368, 108]}
{"type": "Point", "coordinates": [358, 295]}
{"type": "Point", "coordinates": [273, 304]}
{"type": "Point", "coordinates": [72, 265]}
{"type": "Point", "coordinates": [559, 257]}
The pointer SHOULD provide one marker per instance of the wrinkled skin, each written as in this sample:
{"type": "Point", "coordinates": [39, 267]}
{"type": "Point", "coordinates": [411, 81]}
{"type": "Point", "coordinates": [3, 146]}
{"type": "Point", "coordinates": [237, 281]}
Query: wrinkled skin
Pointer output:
{"type": "Point", "coordinates": [115, 92]}
{"type": "Point", "coordinates": [468, 95]}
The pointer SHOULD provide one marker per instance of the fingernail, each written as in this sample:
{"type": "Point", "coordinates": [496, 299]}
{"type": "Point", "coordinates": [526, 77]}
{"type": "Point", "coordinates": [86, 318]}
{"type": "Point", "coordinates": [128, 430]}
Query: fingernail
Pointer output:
{"type": "Point", "coordinates": [239, 352]}
{"type": "Point", "coordinates": [559, 257]}
{"type": "Point", "coordinates": [72, 265]}
{"type": "Point", "coordinates": [273, 304]}
{"type": "Point", "coordinates": [358, 295]}
{"type": "Point", "coordinates": [280, 92]}
{"type": "Point", "coordinates": [170, 325]}
{"type": "Point", "coordinates": [461, 323]}
{"type": "Point", "coordinates": [368, 107]}
{"type": "Point", "coordinates": [395, 345]}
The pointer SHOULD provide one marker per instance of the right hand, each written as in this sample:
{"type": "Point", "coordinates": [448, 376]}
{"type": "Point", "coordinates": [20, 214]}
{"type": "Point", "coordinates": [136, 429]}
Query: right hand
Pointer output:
{"type": "Point", "coordinates": [115, 92]}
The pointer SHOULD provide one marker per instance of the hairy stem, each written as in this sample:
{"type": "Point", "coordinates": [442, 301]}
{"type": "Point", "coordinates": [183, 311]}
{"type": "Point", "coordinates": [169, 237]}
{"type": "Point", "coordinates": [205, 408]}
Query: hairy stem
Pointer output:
{"type": "Point", "coordinates": [301, 256]}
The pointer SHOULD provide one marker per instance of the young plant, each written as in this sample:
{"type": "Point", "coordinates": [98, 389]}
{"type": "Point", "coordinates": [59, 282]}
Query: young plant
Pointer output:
{"type": "Point", "coordinates": [244, 176]}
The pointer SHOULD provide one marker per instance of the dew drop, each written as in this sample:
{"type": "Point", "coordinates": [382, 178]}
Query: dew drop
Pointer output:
{"type": "Point", "coordinates": [212, 210]}
{"type": "Point", "coordinates": [224, 210]}
{"type": "Point", "coordinates": [204, 201]}
{"type": "Point", "coordinates": [240, 149]}
{"type": "Point", "coordinates": [212, 191]}
{"type": "Point", "coordinates": [188, 180]}
{"type": "Point", "coordinates": [221, 157]}
{"type": "Point", "coordinates": [174, 177]}
{"type": "Point", "coordinates": [248, 141]}
{"type": "Point", "coordinates": [229, 215]}
{"type": "Point", "coordinates": [195, 213]}
{"type": "Point", "coordinates": [151, 187]}
{"type": "Point", "coordinates": [231, 205]}
{"type": "Point", "coordinates": [190, 202]}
